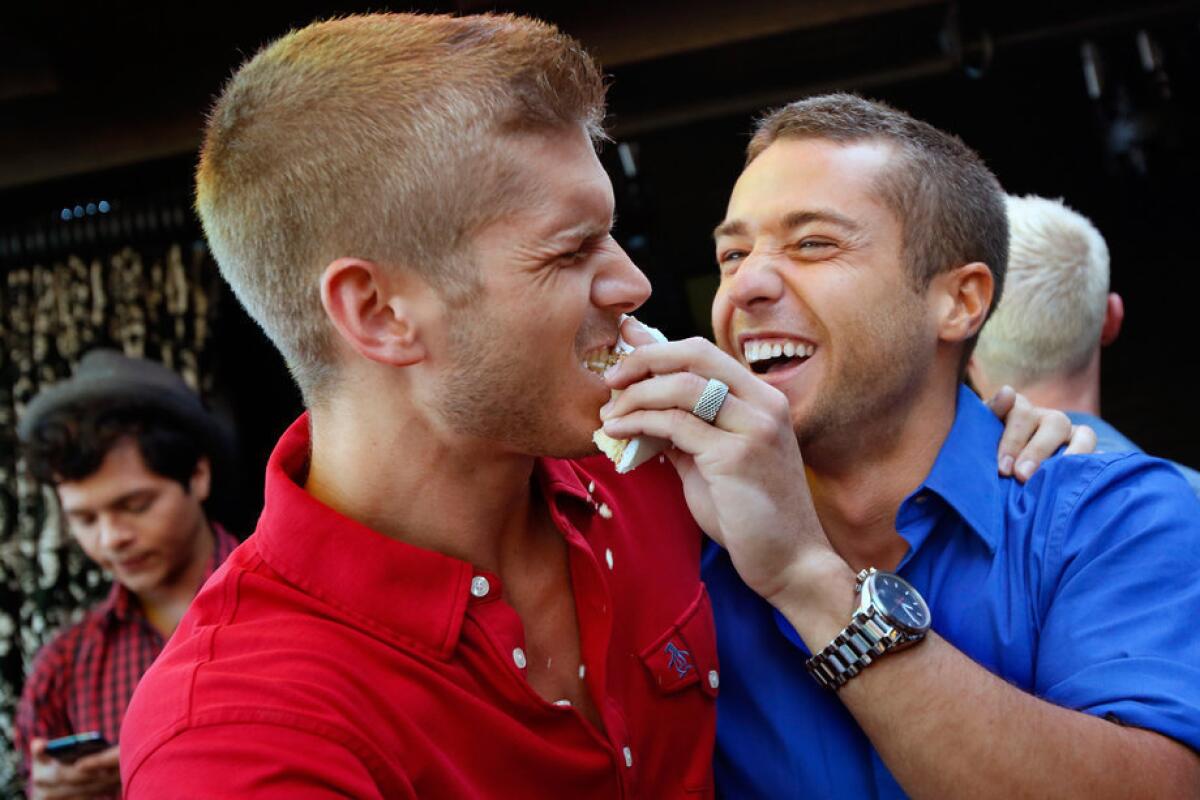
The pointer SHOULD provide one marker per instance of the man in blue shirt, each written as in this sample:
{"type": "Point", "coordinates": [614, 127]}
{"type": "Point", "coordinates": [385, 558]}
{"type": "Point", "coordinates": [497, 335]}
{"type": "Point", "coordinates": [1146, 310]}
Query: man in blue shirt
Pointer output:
{"type": "Point", "coordinates": [1045, 337]}
{"type": "Point", "coordinates": [861, 253]}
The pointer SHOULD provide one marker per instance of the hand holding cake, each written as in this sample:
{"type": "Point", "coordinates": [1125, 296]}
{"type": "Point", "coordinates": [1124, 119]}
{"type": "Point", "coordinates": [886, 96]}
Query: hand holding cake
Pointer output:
{"type": "Point", "coordinates": [628, 454]}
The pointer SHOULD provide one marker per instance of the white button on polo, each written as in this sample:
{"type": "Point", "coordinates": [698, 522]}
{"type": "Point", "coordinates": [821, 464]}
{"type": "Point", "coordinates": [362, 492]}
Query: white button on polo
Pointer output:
{"type": "Point", "coordinates": [605, 511]}
{"type": "Point", "coordinates": [591, 486]}
{"type": "Point", "coordinates": [480, 586]}
{"type": "Point", "coordinates": [714, 680]}
{"type": "Point", "coordinates": [519, 657]}
{"type": "Point", "coordinates": [563, 703]}
{"type": "Point", "coordinates": [582, 671]}
{"type": "Point", "coordinates": [628, 757]}
{"type": "Point", "coordinates": [608, 557]}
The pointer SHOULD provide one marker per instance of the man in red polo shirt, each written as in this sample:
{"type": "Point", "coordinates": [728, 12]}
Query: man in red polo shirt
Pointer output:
{"type": "Point", "coordinates": [128, 448]}
{"type": "Point", "coordinates": [434, 604]}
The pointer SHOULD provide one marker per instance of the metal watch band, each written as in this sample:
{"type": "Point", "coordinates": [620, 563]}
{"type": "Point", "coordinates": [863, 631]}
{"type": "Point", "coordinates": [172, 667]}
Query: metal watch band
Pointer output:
{"type": "Point", "coordinates": [862, 641]}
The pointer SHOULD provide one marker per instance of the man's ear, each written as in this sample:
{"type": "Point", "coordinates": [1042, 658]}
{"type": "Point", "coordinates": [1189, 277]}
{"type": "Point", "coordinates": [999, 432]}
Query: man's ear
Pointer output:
{"type": "Point", "coordinates": [200, 484]}
{"type": "Point", "coordinates": [373, 309]}
{"type": "Point", "coordinates": [963, 297]}
{"type": "Point", "coordinates": [1114, 315]}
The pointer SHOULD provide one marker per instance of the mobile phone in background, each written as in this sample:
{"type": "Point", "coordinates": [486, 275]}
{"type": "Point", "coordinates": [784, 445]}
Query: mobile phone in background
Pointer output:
{"type": "Point", "coordinates": [69, 749]}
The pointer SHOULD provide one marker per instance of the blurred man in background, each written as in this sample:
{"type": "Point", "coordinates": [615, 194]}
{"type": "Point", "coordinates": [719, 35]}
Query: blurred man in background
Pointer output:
{"type": "Point", "coordinates": [1045, 337]}
{"type": "Point", "coordinates": [128, 447]}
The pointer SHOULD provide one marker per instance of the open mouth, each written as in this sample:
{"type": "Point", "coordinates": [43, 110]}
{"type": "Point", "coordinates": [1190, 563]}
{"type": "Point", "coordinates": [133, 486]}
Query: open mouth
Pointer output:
{"type": "Point", "coordinates": [773, 355]}
{"type": "Point", "coordinates": [601, 358]}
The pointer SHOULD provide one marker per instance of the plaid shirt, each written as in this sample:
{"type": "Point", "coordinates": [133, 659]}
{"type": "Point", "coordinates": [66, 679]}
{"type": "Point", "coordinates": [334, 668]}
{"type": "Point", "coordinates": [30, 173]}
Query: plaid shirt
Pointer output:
{"type": "Point", "coordinates": [82, 679]}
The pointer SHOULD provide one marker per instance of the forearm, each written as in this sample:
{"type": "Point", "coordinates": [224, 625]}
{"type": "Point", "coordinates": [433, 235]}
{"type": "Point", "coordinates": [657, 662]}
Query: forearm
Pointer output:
{"type": "Point", "coordinates": [958, 730]}
{"type": "Point", "coordinates": [946, 727]}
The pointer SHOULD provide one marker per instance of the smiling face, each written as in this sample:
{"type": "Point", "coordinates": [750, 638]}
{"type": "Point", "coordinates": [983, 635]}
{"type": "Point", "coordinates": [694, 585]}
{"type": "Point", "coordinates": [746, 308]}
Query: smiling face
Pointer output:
{"type": "Point", "coordinates": [142, 528]}
{"type": "Point", "coordinates": [814, 296]}
{"type": "Point", "coordinates": [553, 284]}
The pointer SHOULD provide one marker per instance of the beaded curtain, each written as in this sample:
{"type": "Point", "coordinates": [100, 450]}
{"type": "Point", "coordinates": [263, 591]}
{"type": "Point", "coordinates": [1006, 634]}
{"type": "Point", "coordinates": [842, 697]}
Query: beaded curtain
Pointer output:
{"type": "Point", "coordinates": [154, 302]}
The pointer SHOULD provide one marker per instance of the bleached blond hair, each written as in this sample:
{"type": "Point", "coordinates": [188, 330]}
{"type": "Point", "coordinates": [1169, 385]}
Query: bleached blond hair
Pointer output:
{"type": "Point", "coordinates": [1050, 319]}
{"type": "Point", "coordinates": [378, 137]}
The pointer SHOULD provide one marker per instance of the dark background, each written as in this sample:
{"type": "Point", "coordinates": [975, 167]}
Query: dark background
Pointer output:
{"type": "Point", "coordinates": [105, 101]}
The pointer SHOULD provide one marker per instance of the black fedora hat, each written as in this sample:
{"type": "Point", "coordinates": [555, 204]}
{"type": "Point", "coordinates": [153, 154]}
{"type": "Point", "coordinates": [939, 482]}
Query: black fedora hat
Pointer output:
{"type": "Point", "coordinates": [110, 377]}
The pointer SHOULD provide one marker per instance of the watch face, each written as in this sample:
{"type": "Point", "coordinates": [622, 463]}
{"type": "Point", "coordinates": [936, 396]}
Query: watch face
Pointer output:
{"type": "Point", "coordinates": [899, 601]}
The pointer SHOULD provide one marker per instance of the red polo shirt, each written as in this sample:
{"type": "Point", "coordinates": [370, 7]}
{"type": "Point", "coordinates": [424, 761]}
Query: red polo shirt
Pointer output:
{"type": "Point", "coordinates": [325, 659]}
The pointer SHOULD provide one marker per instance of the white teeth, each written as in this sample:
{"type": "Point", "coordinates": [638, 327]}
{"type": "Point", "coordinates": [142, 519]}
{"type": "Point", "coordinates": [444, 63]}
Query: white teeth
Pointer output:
{"type": "Point", "coordinates": [761, 351]}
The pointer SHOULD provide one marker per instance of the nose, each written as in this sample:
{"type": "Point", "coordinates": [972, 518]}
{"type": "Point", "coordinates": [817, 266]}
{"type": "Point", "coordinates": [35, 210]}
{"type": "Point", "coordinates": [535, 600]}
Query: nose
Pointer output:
{"type": "Point", "coordinates": [114, 534]}
{"type": "Point", "coordinates": [757, 281]}
{"type": "Point", "coordinates": [619, 284]}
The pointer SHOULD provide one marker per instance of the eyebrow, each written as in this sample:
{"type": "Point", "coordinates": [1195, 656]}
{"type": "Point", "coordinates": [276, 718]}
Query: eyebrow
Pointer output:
{"type": "Point", "coordinates": [791, 221]}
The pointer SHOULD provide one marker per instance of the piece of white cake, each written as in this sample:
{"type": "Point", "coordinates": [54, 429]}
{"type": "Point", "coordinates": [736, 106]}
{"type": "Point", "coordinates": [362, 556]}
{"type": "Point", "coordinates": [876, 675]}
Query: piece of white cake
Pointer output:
{"type": "Point", "coordinates": [628, 454]}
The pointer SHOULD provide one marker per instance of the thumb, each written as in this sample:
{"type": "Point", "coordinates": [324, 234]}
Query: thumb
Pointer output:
{"type": "Point", "coordinates": [638, 333]}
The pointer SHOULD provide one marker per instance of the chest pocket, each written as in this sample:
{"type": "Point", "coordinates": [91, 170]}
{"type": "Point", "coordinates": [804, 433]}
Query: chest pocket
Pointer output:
{"type": "Point", "coordinates": [685, 655]}
{"type": "Point", "coordinates": [682, 666]}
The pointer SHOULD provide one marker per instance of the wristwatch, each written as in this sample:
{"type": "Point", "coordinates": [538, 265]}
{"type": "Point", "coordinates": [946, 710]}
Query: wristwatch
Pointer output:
{"type": "Point", "coordinates": [891, 615]}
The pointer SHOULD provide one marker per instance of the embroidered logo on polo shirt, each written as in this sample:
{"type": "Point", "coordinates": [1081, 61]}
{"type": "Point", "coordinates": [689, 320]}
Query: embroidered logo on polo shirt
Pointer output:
{"type": "Point", "coordinates": [678, 659]}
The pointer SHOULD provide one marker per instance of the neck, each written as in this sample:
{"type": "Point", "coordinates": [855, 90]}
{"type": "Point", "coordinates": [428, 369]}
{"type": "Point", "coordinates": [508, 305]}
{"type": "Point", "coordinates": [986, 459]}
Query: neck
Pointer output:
{"type": "Point", "coordinates": [412, 481]}
{"type": "Point", "coordinates": [858, 479]}
{"type": "Point", "coordinates": [1077, 392]}
{"type": "Point", "coordinates": [164, 606]}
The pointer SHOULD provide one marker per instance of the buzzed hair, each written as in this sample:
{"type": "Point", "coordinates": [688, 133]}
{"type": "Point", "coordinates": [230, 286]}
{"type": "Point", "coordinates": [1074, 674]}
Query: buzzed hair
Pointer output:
{"type": "Point", "coordinates": [375, 137]}
{"type": "Point", "coordinates": [1053, 311]}
{"type": "Point", "coordinates": [949, 204]}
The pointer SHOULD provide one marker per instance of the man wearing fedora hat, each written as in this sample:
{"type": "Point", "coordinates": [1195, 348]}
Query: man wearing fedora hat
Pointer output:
{"type": "Point", "coordinates": [129, 448]}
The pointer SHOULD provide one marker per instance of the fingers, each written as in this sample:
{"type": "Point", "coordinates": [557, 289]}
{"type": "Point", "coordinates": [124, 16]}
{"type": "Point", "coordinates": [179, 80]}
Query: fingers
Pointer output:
{"type": "Point", "coordinates": [105, 759]}
{"type": "Point", "coordinates": [695, 355]}
{"type": "Point", "coordinates": [1019, 425]}
{"type": "Point", "coordinates": [1083, 441]}
{"type": "Point", "coordinates": [1052, 433]}
{"type": "Point", "coordinates": [679, 390]}
{"type": "Point", "coordinates": [1003, 401]}
{"type": "Point", "coordinates": [685, 431]}
{"type": "Point", "coordinates": [638, 333]}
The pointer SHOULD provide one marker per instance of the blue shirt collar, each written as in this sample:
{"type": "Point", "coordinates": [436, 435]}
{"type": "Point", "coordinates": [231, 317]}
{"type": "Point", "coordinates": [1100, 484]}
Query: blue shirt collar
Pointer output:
{"type": "Point", "coordinates": [965, 477]}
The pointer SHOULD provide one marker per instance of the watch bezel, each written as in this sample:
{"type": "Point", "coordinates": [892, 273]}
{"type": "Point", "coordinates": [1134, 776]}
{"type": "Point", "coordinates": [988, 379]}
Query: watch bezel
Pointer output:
{"type": "Point", "coordinates": [870, 603]}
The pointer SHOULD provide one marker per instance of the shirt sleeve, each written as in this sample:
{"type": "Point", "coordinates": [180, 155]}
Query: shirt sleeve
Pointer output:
{"type": "Point", "coordinates": [1120, 596]}
{"type": "Point", "coordinates": [42, 709]}
{"type": "Point", "coordinates": [246, 759]}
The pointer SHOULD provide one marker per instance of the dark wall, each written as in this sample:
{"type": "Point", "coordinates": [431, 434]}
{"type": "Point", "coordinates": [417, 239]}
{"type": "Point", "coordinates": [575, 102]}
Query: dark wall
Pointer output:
{"type": "Point", "coordinates": [1009, 80]}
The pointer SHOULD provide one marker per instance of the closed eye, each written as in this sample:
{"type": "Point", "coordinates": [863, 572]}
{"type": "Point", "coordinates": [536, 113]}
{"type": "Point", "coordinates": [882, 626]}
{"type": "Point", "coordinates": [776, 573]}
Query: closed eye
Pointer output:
{"type": "Point", "coordinates": [575, 257]}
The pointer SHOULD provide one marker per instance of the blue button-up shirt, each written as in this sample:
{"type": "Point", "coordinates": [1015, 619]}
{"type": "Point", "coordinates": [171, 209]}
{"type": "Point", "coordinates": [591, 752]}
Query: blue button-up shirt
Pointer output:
{"type": "Point", "coordinates": [1081, 587]}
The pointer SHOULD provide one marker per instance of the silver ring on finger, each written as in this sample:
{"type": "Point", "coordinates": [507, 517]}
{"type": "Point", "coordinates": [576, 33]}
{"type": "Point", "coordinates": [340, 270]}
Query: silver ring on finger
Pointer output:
{"type": "Point", "coordinates": [711, 400]}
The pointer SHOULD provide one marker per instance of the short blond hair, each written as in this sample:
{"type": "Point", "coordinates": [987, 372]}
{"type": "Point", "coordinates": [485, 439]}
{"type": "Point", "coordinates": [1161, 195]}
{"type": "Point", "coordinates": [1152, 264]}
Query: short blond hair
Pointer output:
{"type": "Point", "coordinates": [374, 136]}
{"type": "Point", "coordinates": [1050, 320]}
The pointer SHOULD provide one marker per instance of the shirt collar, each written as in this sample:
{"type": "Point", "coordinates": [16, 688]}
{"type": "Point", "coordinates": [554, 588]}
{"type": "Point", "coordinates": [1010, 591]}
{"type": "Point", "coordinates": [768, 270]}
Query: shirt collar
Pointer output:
{"type": "Point", "coordinates": [965, 476]}
{"type": "Point", "coordinates": [121, 605]}
{"type": "Point", "coordinates": [406, 593]}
